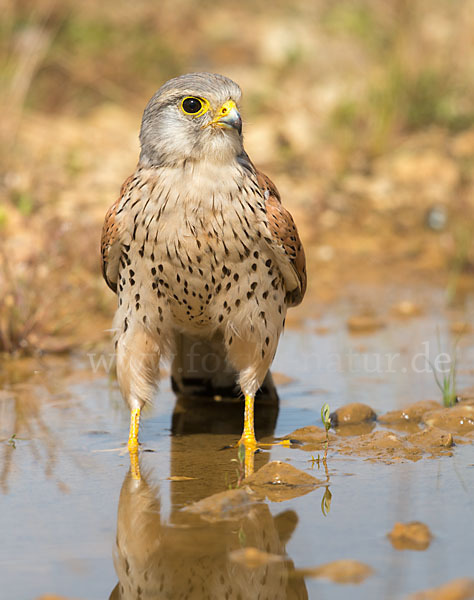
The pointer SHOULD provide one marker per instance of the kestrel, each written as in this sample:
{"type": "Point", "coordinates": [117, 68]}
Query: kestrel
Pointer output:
{"type": "Point", "coordinates": [198, 245]}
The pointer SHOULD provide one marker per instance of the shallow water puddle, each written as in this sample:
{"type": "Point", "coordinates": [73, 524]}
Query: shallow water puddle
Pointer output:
{"type": "Point", "coordinates": [70, 509]}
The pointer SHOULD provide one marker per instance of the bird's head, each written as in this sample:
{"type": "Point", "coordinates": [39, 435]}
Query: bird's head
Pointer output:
{"type": "Point", "coordinates": [192, 117]}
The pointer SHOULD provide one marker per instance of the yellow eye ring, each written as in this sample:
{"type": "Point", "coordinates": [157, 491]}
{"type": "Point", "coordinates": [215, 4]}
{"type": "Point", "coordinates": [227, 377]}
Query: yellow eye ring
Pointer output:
{"type": "Point", "coordinates": [193, 106]}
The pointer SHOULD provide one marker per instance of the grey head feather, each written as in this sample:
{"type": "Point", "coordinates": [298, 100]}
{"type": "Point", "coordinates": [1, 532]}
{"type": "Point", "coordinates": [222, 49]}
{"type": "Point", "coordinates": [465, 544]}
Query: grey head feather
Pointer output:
{"type": "Point", "coordinates": [169, 137]}
{"type": "Point", "coordinates": [209, 85]}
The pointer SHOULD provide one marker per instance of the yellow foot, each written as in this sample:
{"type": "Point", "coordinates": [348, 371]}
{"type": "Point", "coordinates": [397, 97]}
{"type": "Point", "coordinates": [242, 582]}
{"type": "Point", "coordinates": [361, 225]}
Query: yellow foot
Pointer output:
{"type": "Point", "coordinates": [248, 437]}
{"type": "Point", "coordinates": [252, 443]}
{"type": "Point", "coordinates": [251, 446]}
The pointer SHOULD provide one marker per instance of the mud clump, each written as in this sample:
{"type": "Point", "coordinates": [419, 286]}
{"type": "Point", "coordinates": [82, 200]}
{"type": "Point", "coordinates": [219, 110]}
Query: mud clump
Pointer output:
{"type": "Point", "coordinates": [364, 324]}
{"type": "Point", "coordinates": [458, 589]}
{"type": "Point", "coordinates": [432, 438]}
{"type": "Point", "coordinates": [52, 597]}
{"type": "Point", "coordinates": [339, 571]}
{"type": "Point", "coordinates": [410, 536]}
{"type": "Point", "coordinates": [230, 505]}
{"type": "Point", "coordinates": [460, 327]}
{"type": "Point", "coordinates": [309, 433]}
{"type": "Point", "coordinates": [356, 429]}
{"type": "Point", "coordinates": [458, 419]}
{"type": "Point", "coordinates": [407, 309]}
{"type": "Point", "coordinates": [411, 414]}
{"type": "Point", "coordinates": [424, 428]}
{"type": "Point", "coordinates": [352, 414]}
{"type": "Point", "coordinates": [380, 445]}
{"type": "Point", "coordinates": [311, 437]}
{"type": "Point", "coordinates": [278, 481]}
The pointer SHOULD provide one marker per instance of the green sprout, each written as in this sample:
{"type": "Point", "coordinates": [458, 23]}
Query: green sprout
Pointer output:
{"type": "Point", "coordinates": [240, 470]}
{"type": "Point", "coordinates": [326, 502]}
{"type": "Point", "coordinates": [241, 454]}
{"type": "Point", "coordinates": [11, 441]}
{"type": "Point", "coordinates": [326, 419]}
{"type": "Point", "coordinates": [448, 385]}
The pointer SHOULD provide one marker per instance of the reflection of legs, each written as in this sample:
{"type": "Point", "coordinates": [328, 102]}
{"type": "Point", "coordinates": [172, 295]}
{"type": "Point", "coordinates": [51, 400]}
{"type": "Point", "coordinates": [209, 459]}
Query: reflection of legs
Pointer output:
{"type": "Point", "coordinates": [137, 372]}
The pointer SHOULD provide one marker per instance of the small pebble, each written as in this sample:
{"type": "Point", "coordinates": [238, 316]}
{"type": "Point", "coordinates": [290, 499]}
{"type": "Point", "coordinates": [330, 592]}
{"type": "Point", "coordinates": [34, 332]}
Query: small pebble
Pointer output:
{"type": "Point", "coordinates": [457, 589]}
{"type": "Point", "coordinates": [364, 324]}
{"type": "Point", "coordinates": [410, 536]}
{"type": "Point", "coordinates": [353, 413]}
{"type": "Point", "coordinates": [339, 571]}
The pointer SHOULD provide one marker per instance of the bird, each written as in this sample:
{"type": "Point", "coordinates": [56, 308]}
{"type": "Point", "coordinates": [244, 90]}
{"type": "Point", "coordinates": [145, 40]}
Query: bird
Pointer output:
{"type": "Point", "coordinates": [194, 552]}
{"type": "Point", "coordinates": [198, 246]}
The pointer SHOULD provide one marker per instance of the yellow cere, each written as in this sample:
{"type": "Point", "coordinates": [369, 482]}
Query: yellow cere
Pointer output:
{"type": "Point", "coordinates": [227, 107]}
{"type": "Point", "coordinates": [223, 111]}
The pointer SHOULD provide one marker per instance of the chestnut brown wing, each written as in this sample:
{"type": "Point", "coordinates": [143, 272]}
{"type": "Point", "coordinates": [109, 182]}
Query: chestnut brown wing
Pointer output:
{"type": "Point", "coordinates": [289, 249]}
{"type": "Point", "coordinates": [110, 243]}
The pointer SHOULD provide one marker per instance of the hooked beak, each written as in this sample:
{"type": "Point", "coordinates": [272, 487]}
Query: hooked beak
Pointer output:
{"type": "Point", "coordinates": [228, 117]}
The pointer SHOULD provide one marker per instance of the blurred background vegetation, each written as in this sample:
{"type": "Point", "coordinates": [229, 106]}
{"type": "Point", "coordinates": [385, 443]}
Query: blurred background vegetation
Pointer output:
{"type": "Point", "coordinates": [361, 111]}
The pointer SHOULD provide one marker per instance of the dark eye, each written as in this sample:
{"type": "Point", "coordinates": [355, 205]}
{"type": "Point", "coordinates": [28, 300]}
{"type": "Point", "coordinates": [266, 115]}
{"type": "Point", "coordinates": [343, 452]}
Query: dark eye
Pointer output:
{"type": "Point", "coordinates": [191, 106]}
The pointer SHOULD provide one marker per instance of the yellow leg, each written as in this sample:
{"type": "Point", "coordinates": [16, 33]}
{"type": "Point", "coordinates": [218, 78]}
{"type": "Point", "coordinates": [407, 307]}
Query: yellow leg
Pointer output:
{"type": "Point", "coordinates": [134, 426]}
{"type": "Point", "coordinates": [133, 443]}
{"type": "Point", "coordinates": [248, 436]}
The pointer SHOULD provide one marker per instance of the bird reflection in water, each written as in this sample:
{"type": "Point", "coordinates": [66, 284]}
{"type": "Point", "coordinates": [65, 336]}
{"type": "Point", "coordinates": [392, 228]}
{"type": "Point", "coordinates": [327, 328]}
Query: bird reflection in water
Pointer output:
{"type": "Point", "coordinates": [193, 554]}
